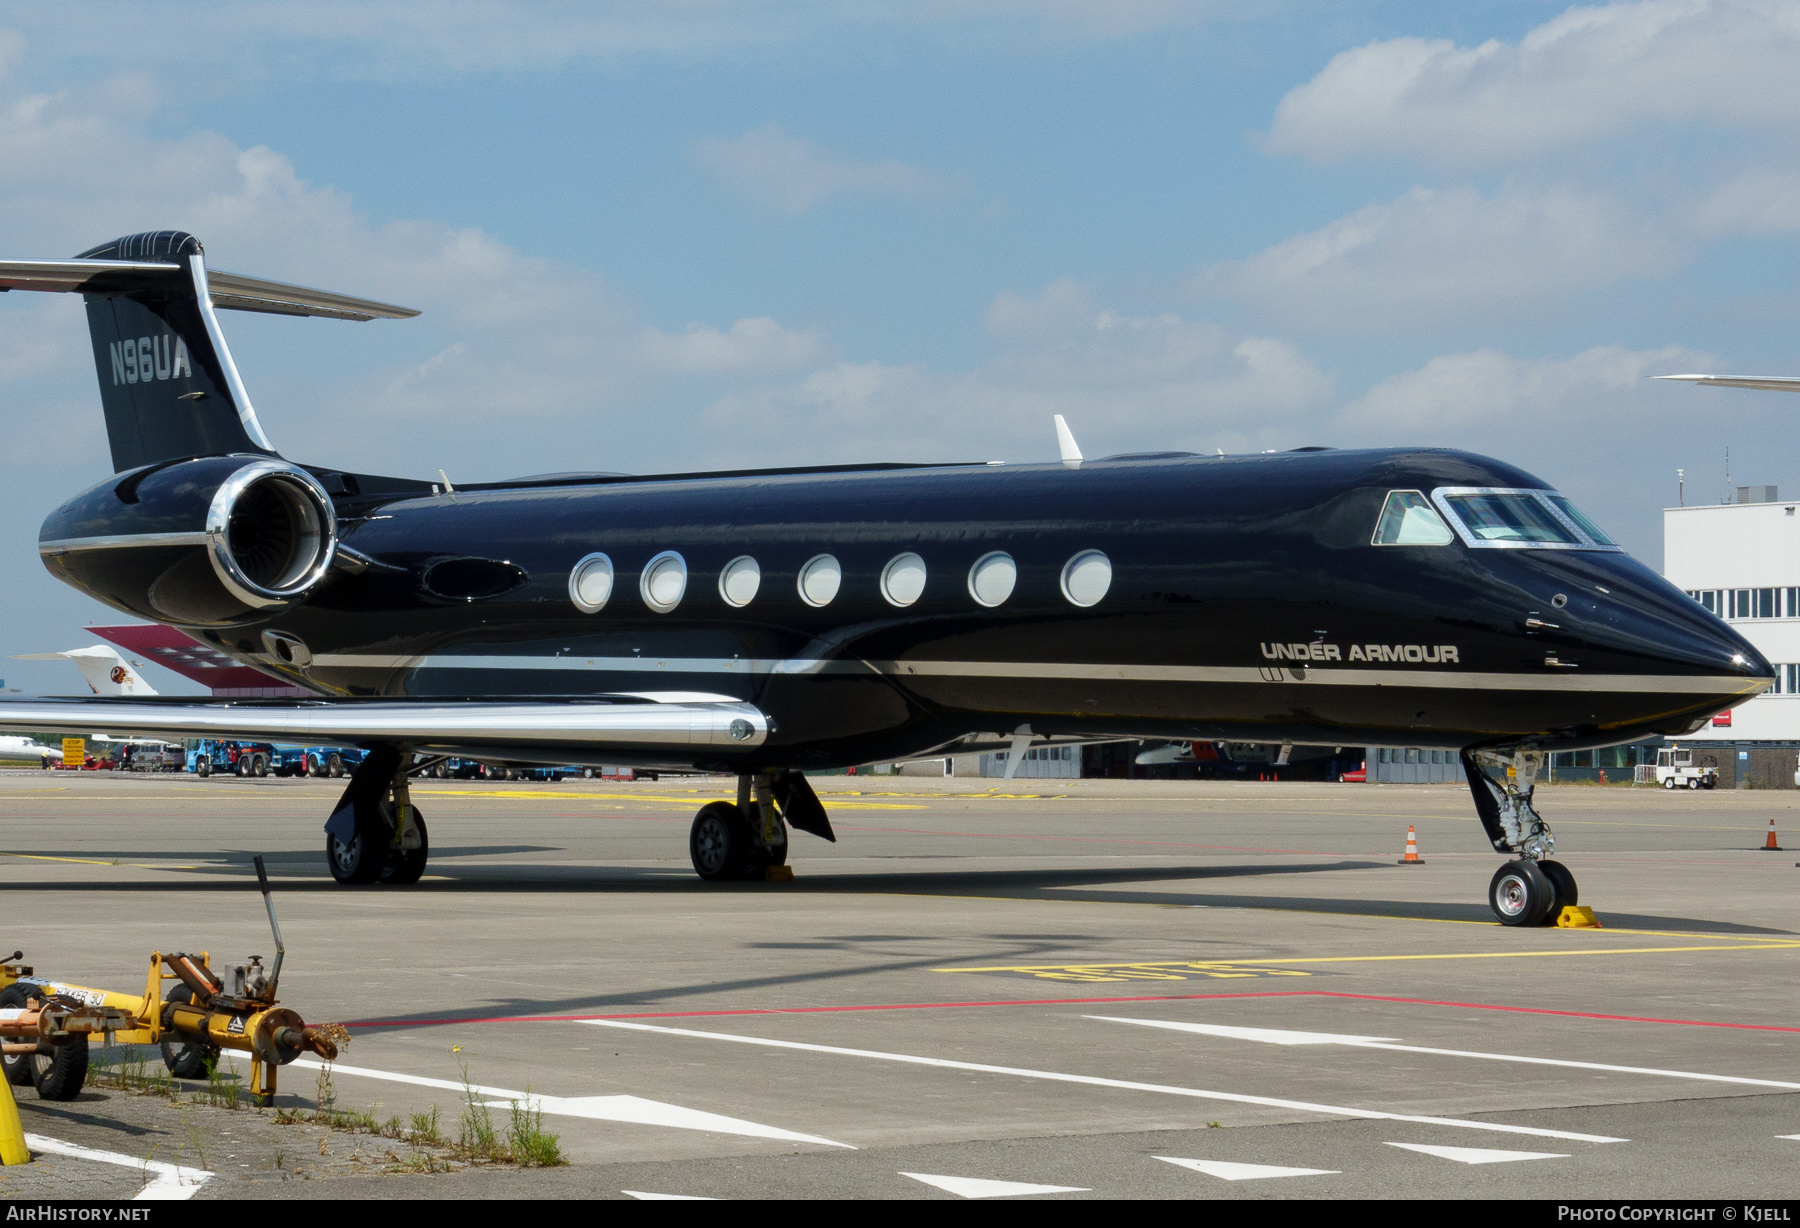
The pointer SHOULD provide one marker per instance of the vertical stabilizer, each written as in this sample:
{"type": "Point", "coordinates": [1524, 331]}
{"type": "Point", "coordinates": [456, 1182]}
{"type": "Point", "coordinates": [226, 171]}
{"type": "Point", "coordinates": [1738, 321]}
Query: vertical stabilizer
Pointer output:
{"type": "Point", "coordinates": [167, 382]}
{"type": "Point", "coordinates": [105, 671]}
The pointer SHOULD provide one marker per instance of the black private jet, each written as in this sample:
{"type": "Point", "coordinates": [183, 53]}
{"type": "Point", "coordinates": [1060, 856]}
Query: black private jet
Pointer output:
{"type": "Point", "coordinates": [768, 622]}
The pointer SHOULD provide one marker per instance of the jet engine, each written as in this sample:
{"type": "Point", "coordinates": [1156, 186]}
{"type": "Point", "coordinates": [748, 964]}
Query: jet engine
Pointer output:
{"type": "Point", "coordinates": [209, 541]}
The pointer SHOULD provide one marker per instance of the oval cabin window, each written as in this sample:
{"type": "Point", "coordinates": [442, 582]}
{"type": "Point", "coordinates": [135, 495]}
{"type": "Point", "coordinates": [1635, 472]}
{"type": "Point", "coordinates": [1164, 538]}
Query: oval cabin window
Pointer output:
{"type": "Point", "coordinates": [992, 578]}
{"type": "Point", "coordinates": [739, 581]}
{"type": "Point", "coordinates": [903, 579]}
{"type": "Point", "coordinates": [820, 580]}
{"type": "Point", "coordinates": [664, 581]}
{"type": "Point", "coordinates": [1086, 577]}
{"type": "Point", "coordinates": [591, 583]}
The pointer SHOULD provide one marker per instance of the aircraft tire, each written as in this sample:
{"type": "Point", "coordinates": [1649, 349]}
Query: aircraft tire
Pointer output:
{"type": "Point", "coordinates": [1563, 884]}
{"type": "Point", "coordinates": [361, 861]}
{"type": "Point", "coordinates": [16, 1065]}
{"type": "Point", "coordinates": [721, 844]}
{"type": "Point", "coordinates": [186, 1059]}
{"type": "Point", "coordinates": [1520, 894]}
{"type": "Point", "coordinates": [406, 866]}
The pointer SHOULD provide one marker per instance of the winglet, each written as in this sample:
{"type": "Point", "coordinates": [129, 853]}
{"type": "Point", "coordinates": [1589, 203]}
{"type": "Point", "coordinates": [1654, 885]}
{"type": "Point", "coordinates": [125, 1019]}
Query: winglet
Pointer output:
{"type": "Point", "coordinates": [1065, 441]}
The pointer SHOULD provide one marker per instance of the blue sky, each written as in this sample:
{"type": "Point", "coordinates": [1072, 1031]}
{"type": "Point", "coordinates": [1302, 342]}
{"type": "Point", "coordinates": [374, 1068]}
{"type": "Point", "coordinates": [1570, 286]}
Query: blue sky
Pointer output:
{"type": "Point", "coordinates": [651, 236]}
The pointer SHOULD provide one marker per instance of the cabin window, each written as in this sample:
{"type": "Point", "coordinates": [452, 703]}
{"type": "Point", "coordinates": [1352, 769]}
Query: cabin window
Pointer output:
{"type": "Point", "coordinates": [591, 583]}
{"type": "Point", "coordinates": [664, 581]}
{"type": "Point", "coordinates": [820, 580]}
{"type": "Point", "coordinates": [1086, 577]}
{"type": "Point", "coordinates": [903, 579]}
{"type": "Point", "coordinates": [992, 577]}
{"type": "Point", "coordinates": [1407, 519]}
{"type": "Point", "coordinates": [739, 580]}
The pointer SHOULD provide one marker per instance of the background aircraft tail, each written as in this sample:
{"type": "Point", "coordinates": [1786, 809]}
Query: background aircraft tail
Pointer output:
{"type": "Point", "coordinates": [167, 382]}
{"type": "Point", "coordinates": [106, 672]}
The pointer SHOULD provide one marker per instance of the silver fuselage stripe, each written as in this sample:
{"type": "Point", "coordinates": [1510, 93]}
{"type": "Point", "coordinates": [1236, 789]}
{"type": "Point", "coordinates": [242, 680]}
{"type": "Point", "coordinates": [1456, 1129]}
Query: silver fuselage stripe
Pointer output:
{"type": "Point", "coordinates": [1716, 684]}
{"type": "Point", "coordinates": [70, 545]}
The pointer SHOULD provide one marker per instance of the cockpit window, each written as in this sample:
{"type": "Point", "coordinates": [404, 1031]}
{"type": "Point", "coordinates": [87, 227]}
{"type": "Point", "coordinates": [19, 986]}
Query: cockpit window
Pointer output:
{"type": "Point", "coordinates": [1407, 519]}
{"type": "Point", "coordinates": [1581, 522]}
{"type": "Point", "coordinates": [1510, 518]}
{"type": "Point", "coordinates": [1518, 519]}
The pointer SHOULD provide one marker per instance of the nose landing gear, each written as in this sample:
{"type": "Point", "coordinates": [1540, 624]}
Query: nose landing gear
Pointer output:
{"type": "Point", "coordinates": [1532, 890]}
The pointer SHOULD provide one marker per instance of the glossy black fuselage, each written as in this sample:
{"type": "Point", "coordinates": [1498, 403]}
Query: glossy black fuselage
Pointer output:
{"type": "Point", "coordinates": [1240, 588]}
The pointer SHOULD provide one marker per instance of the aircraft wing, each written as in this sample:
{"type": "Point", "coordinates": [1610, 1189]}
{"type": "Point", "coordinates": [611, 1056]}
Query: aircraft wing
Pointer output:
{"type": "Point", "coordinates": [1768, 383]}
{"type": "Point", "coordinates": [675, 726]}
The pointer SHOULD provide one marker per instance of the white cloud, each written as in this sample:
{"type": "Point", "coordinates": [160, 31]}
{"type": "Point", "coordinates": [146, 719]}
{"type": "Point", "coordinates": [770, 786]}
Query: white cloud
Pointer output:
{"type": "Point", "coordinates": [790, 175]}
{"type": "Point", "coordinates": [1433, 256]}
{"type": "Point", "coordinates": [1490, 389]}
{"type": "Point", "coordinates": [1126, 383]}
{"type": "Point", "coordinates": [1590, 73]}
{"type": "Point", "coordinates": [1757, 202]}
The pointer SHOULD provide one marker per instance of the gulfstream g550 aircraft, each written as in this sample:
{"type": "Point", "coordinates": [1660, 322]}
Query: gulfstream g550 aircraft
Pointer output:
{"type": "Point", "coordinates": [762, 622]}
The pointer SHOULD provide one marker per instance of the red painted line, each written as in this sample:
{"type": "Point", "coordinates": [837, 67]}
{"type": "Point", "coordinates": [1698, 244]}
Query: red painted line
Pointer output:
{"type": "Point", "coordinates": [1181, 997]}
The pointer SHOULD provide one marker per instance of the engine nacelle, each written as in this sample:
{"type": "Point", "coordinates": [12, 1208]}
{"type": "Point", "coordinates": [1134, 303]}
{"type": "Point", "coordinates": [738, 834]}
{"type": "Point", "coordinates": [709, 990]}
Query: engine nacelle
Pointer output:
{"type": "Point", "coordinates": [213, 541]}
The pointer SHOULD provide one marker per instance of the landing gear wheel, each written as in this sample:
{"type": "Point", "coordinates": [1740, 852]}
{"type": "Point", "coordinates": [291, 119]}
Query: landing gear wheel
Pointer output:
{"type": "Point", "coordinates": [360, 860]}
{"type": "Point", "coordinates": [1520, 893]}
{"type": "Point", "coordinates": [187, 1060]}
{"type": "Point", "coordinates": [406, 866]}
{"type": "Point", "coordinates": [722, 844]}
{"type": "Point", "coordinates": [1563, 884]}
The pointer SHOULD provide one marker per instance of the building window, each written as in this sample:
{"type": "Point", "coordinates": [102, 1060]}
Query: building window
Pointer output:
{"type": "Point", "coordinates": [1788, 680]}
{"type": "Point", "coordinates": [1791, 607]}
{"type": "Point", "coordinates": [1709, 597]}
{"type": "Point", "coordinates": [1767, 600]}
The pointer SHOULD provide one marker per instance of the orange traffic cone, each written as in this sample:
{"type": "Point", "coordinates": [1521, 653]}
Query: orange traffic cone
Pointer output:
{"type": "Point", "coordinates": [1412, 857]}
{"type": "Point", "coordinates": [1769, 845]}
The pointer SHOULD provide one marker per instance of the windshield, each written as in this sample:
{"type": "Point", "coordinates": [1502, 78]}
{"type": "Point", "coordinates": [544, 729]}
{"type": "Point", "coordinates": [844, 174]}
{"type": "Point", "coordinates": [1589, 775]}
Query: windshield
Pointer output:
{"type": "Point", "coordinates": [1581, 522]}
{"type": "Point", "coordinates": [1510, 518]}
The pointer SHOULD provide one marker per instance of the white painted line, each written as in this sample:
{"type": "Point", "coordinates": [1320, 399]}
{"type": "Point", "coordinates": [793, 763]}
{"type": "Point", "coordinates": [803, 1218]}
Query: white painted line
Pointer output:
{"type": "Point", "coordinates": [1271, 1036]}
{"type": "Point", "coordinates": [1478, 1155]}
{"type": "Point", "coordinates": [980, 1187]}
{"type": "Point", "coordinates": [1303, 1106]}
{"type": "Point", "coordinates": [1245, 1172]}
{"type": "Point", "coordinates": [631, 1109]}
{"type": "Point", "coordinates": [168, 1182]}
{"type": "Point", "coordinates": [1794, 1136]}
{"type": "Point", "coordinates": [647, 1196]}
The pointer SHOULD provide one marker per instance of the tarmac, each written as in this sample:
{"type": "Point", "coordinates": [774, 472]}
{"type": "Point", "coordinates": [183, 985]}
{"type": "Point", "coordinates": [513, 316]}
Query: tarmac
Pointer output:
{"type": "Point", "coordinates": [1037, 988]}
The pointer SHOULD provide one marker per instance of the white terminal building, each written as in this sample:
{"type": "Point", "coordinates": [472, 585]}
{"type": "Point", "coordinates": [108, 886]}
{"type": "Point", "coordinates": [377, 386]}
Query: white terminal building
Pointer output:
{"type": "Point", "coordinates": [1741, 560]}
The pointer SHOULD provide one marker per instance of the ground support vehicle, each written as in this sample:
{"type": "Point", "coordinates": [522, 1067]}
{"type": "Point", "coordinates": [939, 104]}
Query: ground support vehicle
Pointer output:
{"type": "Point", "coordinates": [200, 1015]}
{"type": "Point", "coordinates": [212, 756]}
{"type": "Point", "coordinates": [332, 761]}
{"type": "Point", "coordinates": [1676, 769]}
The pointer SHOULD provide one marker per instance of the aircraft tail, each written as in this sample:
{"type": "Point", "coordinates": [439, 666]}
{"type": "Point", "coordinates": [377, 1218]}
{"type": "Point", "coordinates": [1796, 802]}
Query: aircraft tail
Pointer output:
{"type": "Point", "coordinates": [106, 672]}
{"type": "Point", "coordinates": [167, 382]}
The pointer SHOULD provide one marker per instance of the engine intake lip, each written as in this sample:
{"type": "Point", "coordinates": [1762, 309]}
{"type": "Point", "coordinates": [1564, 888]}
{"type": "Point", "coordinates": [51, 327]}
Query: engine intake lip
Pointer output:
{"type": "Point", "coordinates": [311, 524]}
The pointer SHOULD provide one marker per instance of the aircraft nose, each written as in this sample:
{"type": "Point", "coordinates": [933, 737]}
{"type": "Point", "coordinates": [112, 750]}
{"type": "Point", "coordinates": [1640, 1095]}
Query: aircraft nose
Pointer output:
{"type": "Point", "coordinates": [1615, 609]}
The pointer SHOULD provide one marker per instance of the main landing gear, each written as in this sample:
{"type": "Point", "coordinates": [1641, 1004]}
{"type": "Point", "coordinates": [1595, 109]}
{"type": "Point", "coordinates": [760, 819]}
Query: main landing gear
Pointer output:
{"type": "Point", "coordinates": [1532, 890]}
{"type": "Point", "coordinates": [376, 834]}
{"type": "Point", "coordinates": [744, 841]}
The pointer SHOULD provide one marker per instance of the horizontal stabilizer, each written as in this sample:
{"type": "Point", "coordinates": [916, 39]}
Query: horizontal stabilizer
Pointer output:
{"type": "Point", "coordinates": [230, 290]}
{"type": "Point", "coordinates": [559, 732]}
{"type": "Point", "coordinates": [1768, 383]}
